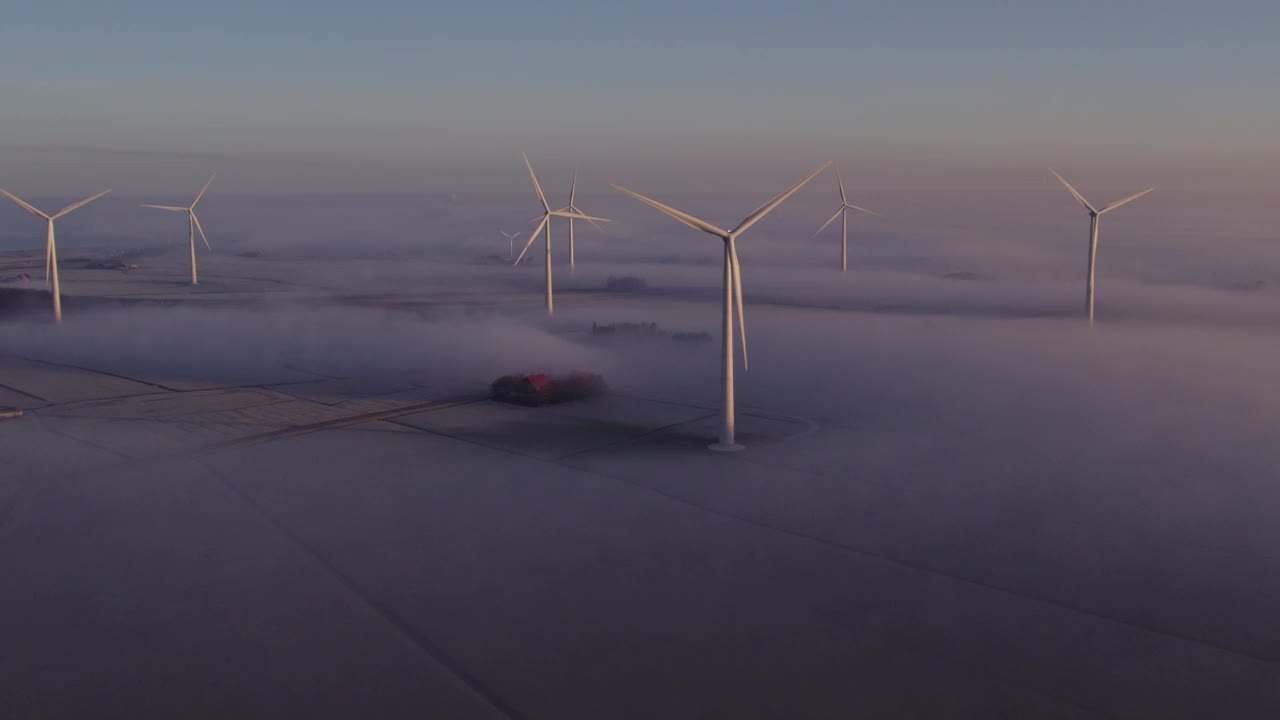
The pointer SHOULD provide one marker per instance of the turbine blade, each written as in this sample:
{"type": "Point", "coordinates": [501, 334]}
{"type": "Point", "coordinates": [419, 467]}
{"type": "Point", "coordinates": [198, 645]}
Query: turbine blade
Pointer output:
{"type": "Point", "coordinates": [1129, 199]}
{"type": "Point", "coordinates": [1075, 192]}
{"type": "Point", "coordinates": [770, 200]}
{"type": "Point", "coordinates": [48, 257]}
{"type": "Point", "coordinates": [23, 204]}
{"type": "Point", "coordinates": [737, 298]}
{"type": "Point", "coordinates": [840, 184]}
{"type": "Point", "coordinates": [593, 222]}
{"type": "Point", "coordinates": [170, 208]}
{"type": "Point", "coordinates": [536, 187]}
{"type": "Point", "coordinates": [577, 216]}
{"type": "Point", "coordinates": [573, 189]}
{"type": "Point", "coordinates": [862, 209]}
{"type": "Point", "coordinates": [766, 203]}
{"type": "Point", "coordinates": [206, 187]}
{"type": "Point", "coordinates": [202, 237]}
{"type": "Point", "coordinates": [80, 204]}
{"type": "Point", "coordinates": [685, 218]}
{"type": "Point", "coordinates": [532, 237]}
{"type": "Point", "coordinates": [755, 217]}
{"type": "Point", "coordinates": [833, 219]}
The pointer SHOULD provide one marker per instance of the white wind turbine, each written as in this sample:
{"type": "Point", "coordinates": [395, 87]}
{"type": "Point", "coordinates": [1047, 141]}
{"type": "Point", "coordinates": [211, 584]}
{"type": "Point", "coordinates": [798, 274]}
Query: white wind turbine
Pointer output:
{"type": "Point", "coordinates": [51, 248]}
{"type": "Point", "coordinates": [571, 207]}
{"type": "Point", "coordinates": [842, 213]}
{"type": "Point", "coordinates": [732, 295]}
{"type": "Point", "coordinates": [547, 214]}
{"type": "Point", "coordinates": [1094, 214]}
{"type": "Point", "coordinates": [193, 224]}
{"type": "Point", "coordinates": [511, 242]}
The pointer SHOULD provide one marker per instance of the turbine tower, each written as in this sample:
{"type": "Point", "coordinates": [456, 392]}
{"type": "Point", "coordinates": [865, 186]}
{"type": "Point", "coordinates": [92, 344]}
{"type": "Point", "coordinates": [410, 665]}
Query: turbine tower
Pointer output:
{"type": "Point", "coordinates": [732, 296]}
{"type": "Point", "coordinates": [547, 214]}
{"type": "Point", "coordinates": [193, 224]}
{"type": "Point", "coordinates": [1094, 215]}
{"type": "Point", "coordinates": [842, 213]}
{"type": "Point", "coordinates": [51, 248]}
{"type": "Point", "coordinates": [511, 242]}
{"type": "Point", "coordinates": [571, 207]}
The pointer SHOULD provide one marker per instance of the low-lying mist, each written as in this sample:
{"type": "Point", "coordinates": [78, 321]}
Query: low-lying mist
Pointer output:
{"type": "Point", "coordinates": [1126, 468]}
{"type": "Point", "coordinates": [957, 314]}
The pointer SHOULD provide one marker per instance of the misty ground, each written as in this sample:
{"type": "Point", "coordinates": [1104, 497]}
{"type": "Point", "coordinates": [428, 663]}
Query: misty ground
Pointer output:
{"type": "Point", "coordinates": [282, 492]}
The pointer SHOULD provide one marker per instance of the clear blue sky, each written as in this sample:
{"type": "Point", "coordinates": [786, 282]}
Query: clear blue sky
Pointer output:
{"type": "Point", "coordinates": [1190, 82]}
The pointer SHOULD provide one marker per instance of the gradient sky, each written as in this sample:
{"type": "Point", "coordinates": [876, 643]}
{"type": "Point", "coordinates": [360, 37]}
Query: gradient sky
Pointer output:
{"type": "Point", "coordinates": [380, 84]}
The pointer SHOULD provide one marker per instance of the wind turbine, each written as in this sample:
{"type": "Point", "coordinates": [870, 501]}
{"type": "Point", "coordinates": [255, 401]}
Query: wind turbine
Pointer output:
{"type": "Point", "coordinates": [732, 295]}
{"type": "Point", "coordinates": [193, 224]}
{"type": "Point", "coordinates": [1094, 215]}
{"type": "Point", "coordinates": [547, 214]}
{"type": "Point", "coordinates": [573, 191]}
{"type": "Point", "coordinates": [842, 213]}
{"type": "Point", "coordinates": [51, 248]}
{"type": "Point", "coordinates": [511, 242]}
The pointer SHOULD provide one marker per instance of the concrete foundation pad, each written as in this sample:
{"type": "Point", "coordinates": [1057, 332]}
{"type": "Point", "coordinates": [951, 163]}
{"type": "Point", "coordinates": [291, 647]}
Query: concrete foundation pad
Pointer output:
{"type": "Point", "coordinates": [750, 429]}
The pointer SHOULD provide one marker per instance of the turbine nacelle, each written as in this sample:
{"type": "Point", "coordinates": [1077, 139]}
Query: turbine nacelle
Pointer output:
{"type": "Point", "coordinates": [1097, 212]}
{"type": "Point", "coordinates": [193, 224]}
{"type": "Point", "coordinates": [842, 214]}
{"type": "Point", "coordinates": [40, 213]}
{"type": "Point", "coordinates": [191, 210]}
{"type": "Point", "coordinates": [511, 239]}
{"type": "Point", "coordinates": [543, 221]}
{"type": "Point", "coordinates": [729, 237]}
{"type": "Point", "coordinates": [50, 249]}
{"type": "Point", "coordinates": [841, 211]}
{"type": "Point", "coordinates": [844, 205]}
{"type": "Point", "coordinates": [732, 292]}
{"type": "Point", "coordinates": [1094, 214]}
{"type": "Point", "coordinates": [568, 211]}
{"type": "Point", "coordinates": [580, 215]}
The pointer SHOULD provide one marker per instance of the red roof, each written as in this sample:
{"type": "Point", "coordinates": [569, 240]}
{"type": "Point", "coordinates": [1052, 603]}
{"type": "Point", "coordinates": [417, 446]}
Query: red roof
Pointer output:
{"type": "Point", "coordinates": [538, 381]}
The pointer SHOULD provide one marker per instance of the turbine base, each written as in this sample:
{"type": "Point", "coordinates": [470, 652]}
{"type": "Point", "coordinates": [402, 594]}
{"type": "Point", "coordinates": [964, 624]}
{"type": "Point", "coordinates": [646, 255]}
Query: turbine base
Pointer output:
{"type": "Point", "coordinates": [723, 448]}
